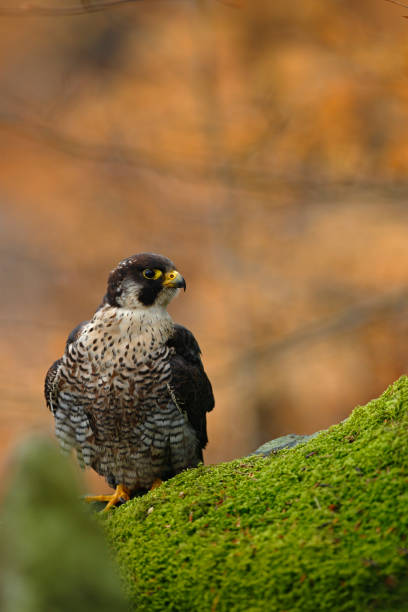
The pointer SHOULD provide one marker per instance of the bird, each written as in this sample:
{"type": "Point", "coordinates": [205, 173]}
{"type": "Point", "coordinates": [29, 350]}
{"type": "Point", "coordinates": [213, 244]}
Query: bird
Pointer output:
{"type": "Point", "coordinates": [130, 394]}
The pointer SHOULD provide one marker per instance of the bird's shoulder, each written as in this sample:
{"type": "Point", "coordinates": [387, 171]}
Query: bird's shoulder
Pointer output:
{"type": "Point", "coordinates": [185, 344]}
{"type": "Point", "coordinates": [75, 333]}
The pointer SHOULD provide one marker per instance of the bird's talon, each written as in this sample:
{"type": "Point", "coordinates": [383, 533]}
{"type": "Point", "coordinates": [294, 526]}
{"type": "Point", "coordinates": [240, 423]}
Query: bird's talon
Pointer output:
{"type": "Point", "coordinates": [121, 494]}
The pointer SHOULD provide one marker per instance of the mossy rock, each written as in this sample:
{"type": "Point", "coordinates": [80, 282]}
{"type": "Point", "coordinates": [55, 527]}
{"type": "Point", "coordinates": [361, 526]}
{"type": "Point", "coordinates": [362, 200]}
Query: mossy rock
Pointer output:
{"type": "Point", "coordinates": [322, 526]}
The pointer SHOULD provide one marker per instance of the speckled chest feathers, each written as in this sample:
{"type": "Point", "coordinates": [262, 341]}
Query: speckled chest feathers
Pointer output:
{"type": "Point", "coordinates": [116, 404]}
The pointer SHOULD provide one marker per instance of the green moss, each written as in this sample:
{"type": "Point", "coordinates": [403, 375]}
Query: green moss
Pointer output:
{"type": "Point", "coordinates": [318, 527]}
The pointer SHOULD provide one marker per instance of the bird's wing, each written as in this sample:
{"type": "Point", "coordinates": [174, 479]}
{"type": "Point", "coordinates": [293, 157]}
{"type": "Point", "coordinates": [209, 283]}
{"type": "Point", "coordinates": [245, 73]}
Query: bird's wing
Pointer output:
{"type": "Point", "coordinates": [50, 387]}
{"type": "Point", "coordinates": [51, 378]}
{"type": "Point", "coordinates": [190, 384]}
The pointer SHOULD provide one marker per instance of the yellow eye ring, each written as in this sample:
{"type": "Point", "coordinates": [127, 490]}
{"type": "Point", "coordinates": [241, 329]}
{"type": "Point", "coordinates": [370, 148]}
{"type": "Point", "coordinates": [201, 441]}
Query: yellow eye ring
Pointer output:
{"type": "Point", "coordinates": [152, 274]}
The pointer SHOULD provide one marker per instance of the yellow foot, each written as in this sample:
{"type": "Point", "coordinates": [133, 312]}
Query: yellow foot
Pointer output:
{"type": "Point", "coordinates": [122, 494]}
{"type": "Point", "coordinates": [156, 483]}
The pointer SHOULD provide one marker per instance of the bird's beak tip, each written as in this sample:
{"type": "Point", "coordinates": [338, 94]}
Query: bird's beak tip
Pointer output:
{"type": "Point", "coordinates": [174, 279]}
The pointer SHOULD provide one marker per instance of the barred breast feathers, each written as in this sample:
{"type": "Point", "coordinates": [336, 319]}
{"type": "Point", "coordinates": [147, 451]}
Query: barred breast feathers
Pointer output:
{"type": "Point", "coordinates": [118, 367]}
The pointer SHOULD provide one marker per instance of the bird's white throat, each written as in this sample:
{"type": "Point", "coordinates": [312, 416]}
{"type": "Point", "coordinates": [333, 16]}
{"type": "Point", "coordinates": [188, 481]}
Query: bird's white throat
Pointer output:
{"type": "Point", "coordinates": [140, 331]}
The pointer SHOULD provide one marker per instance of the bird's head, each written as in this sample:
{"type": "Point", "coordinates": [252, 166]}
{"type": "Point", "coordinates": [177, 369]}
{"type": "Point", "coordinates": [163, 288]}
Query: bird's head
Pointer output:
{"type": "Point", "coordinates": [143, 280]}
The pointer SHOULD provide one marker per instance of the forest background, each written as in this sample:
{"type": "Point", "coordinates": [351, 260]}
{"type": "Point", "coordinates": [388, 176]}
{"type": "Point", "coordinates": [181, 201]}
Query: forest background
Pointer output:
{"type": "Point", "coordinates": [262, 146]}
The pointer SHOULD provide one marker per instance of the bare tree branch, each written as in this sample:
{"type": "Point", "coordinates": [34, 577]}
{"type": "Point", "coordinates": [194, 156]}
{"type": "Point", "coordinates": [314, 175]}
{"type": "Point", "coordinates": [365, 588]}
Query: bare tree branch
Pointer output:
{"type": "Point", "coordinates": [32, 10]}
{"type": "Point", "coordinates": [173, 163]}
{"type": "Point", "coordinates": [356, 316]}
{"type": "Point", "coordinates": [13, 326]}
{"type": "Point", "coordinates": [98, 152]}
{"type": "Point", "coordinates": [399, 3]}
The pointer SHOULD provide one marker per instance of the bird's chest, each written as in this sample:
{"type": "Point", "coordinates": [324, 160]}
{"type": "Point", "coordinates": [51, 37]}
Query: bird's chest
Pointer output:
{"type": "Point", "coordinates": [139, 379]}
{"type": "Point", "coordinates": [121, 367]}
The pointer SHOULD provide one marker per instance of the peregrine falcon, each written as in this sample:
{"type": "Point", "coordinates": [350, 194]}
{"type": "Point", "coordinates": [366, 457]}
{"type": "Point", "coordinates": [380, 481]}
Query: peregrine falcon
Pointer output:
{"type": "Point", "coordinates": [130, 393]}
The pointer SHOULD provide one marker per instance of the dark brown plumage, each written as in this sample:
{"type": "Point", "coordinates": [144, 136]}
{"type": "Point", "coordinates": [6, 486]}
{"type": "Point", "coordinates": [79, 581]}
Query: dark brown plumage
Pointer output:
{"type": "Point", "coordinates": [130, 394]}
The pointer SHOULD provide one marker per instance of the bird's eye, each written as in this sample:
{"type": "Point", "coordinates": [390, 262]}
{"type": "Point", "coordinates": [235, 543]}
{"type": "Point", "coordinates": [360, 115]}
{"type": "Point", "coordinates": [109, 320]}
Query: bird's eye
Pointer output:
{"type": "Point", "coordinates": [152, 274]}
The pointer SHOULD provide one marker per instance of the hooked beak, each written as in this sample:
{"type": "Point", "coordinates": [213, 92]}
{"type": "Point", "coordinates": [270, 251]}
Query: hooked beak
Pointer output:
{"type": "Point", "coordinates": [174, 279]}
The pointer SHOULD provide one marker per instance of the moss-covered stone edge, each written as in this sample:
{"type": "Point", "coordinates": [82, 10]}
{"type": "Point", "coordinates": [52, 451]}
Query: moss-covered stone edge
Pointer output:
{"type": "Point", "coordinates": [318, 527]}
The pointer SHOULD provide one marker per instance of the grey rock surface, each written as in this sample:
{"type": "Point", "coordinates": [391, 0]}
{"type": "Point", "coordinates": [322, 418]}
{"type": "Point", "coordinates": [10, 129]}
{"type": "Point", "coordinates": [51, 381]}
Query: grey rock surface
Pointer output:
{"type": "Point", "coordinates": [288, 441]}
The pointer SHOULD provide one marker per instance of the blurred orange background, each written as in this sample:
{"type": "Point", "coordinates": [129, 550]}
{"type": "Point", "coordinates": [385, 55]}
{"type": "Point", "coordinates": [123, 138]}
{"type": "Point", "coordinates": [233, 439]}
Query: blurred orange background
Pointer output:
{"type": "Point", "coordinates": [262, 146]}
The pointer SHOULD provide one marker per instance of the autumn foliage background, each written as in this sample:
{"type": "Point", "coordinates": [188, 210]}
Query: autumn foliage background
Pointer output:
{"type": "Point", "coordinates": [260, 145]}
